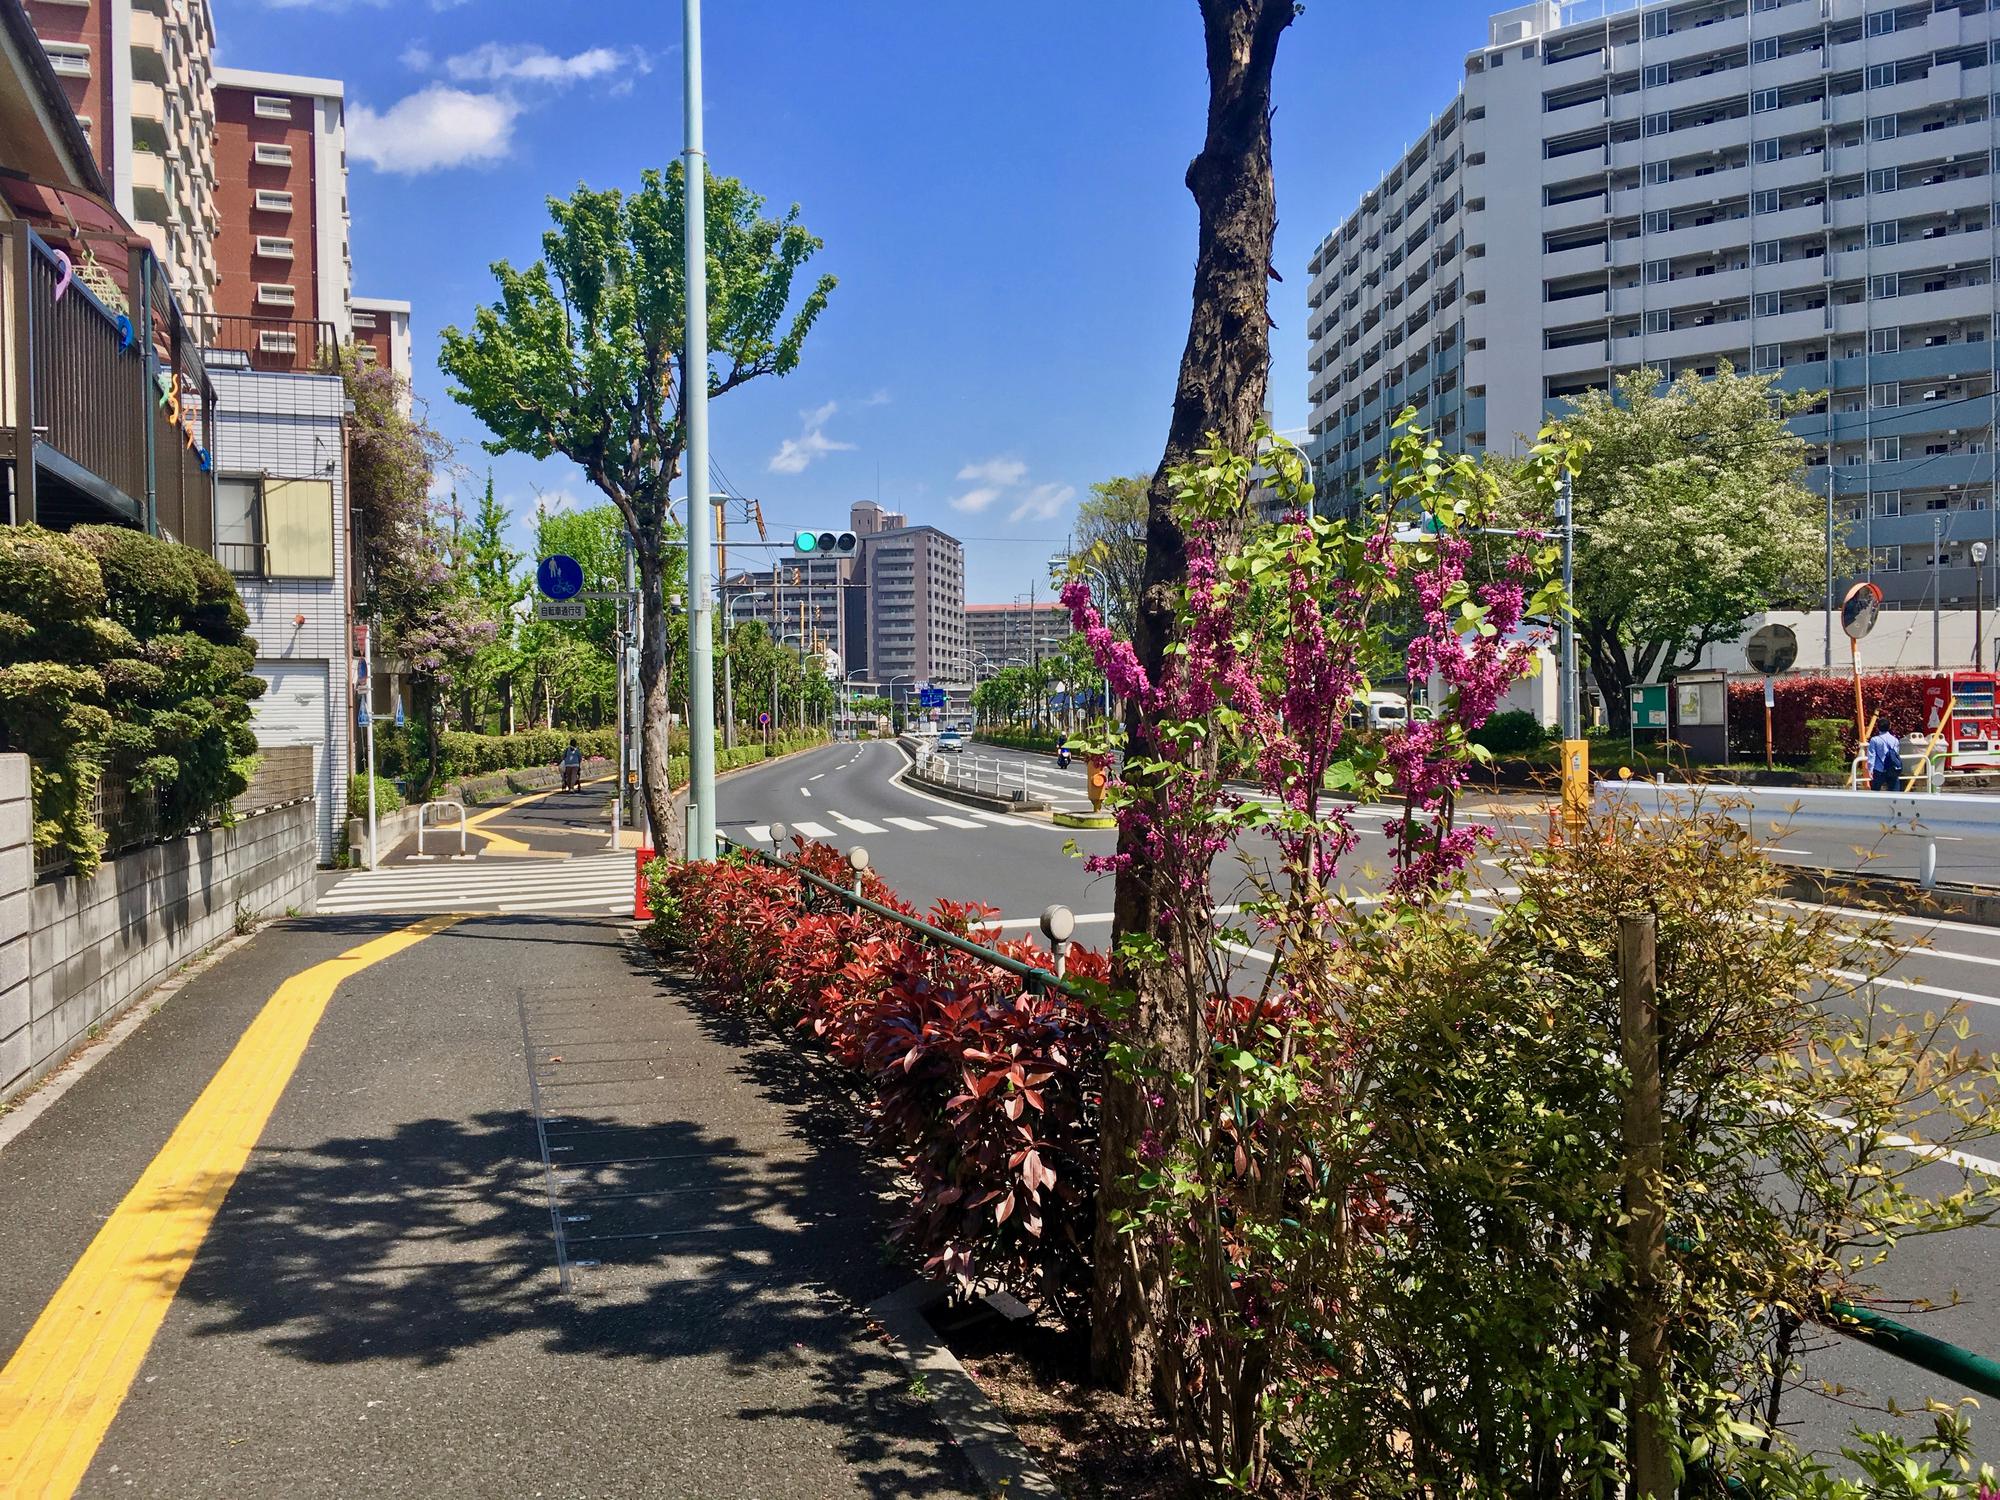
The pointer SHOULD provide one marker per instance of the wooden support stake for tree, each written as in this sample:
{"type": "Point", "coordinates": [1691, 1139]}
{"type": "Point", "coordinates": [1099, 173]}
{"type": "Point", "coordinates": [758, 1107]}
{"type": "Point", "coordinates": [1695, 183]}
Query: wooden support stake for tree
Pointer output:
{"type": "Point", "coordinates": [1646, 1234]}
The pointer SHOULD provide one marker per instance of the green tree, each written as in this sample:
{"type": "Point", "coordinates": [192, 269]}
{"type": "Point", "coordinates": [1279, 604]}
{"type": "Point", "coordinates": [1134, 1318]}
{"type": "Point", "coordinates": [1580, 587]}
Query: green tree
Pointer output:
{"type": "Point", "coordinates": [1690, 517]}
{"type": "Point", "coordinates": [493, 572]}
{"type": "Point", "coordinates": [1111, 540]}
{"type": "Point", "coordinates": [583, 355]}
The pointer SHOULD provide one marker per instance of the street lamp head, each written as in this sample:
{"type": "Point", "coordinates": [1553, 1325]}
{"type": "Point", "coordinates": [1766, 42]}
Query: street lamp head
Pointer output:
{"type": "Point", "coordinates": [1979, 552]}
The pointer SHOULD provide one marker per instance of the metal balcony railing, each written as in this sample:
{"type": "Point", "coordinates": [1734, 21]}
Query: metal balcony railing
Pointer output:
{"type": "Point", "coordinates": [273, 345]}
{"type": "Point", "coordinates": [244, 559]}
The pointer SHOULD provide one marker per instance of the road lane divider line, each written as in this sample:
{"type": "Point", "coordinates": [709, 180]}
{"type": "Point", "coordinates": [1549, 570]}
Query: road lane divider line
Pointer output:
{"type": "Point", "coordinates": [1911, 987]}
{"type": "Point", "coordinates": [68, 1378]}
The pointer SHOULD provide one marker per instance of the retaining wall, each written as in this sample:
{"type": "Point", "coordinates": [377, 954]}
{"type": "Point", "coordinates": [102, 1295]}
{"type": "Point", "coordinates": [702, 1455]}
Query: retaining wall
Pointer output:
{"type": "Point", "coordinates": [74, 952]}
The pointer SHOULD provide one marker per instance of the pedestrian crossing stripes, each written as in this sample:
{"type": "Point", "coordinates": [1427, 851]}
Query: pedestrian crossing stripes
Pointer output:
{"type": "Point", "coordinates": [979, 822]}
{"type": "Point", "coordinates": [583, 884]}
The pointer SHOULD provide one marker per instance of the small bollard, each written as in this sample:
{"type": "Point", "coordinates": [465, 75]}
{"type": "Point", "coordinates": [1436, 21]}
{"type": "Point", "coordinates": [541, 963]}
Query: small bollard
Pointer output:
{"type": "Point", "coordinates": [857, 859]}
{"type": "Point", "coordinates": [778, 836]}
{"type": "Point", "coordinates": [1058, 923]}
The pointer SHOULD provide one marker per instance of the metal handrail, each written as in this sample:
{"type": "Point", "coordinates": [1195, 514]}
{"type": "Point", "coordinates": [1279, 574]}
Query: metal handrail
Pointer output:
{"type": "Point", "coordinates": [1035, 978]}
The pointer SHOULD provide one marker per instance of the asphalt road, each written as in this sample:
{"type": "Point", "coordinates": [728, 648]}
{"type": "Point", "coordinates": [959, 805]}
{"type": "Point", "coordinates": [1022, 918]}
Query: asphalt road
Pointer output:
{"type": "Point", "coordinates": [926, 846]}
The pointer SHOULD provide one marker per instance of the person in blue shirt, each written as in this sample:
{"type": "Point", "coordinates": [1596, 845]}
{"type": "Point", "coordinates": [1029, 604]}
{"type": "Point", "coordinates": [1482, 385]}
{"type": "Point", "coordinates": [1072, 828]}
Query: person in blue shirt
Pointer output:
{"type": "Point", "coordinates": [1885, 761]}
{"type": "Point", "coordinates": [572, 767]}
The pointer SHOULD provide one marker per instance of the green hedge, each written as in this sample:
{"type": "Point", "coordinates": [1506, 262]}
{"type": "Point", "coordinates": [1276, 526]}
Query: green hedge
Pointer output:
{"type": "Point", "coordinates": [388, 798]}
{"type": "Point", "coordinates": [483, 754]}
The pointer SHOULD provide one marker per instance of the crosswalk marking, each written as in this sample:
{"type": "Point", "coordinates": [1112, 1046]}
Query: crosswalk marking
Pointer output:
{"type": "Point", "coordinates": [1000, 818]}
{"type": "Point", "coordinates": [855, 825]}
{"type": "Point", "coordinates": [915, 825]}
{"type": "Point", "coordinates": [954, 822]}
{"type": "Point", "coordinates": [589, 882]}
{"type": "Point", "coordinates": [812, 830]}
{"type": "Point", "coordinates": [759, 833]}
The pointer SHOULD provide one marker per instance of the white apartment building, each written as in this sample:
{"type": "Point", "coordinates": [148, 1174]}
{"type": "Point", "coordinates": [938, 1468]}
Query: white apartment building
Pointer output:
{"type": "Point", "coordinates": [1802, 187]}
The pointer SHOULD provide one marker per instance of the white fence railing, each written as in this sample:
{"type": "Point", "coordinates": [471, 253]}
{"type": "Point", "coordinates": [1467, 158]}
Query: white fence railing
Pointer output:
{"type": "Point", "coordinates": [973, 773]}
{"type": "Point", "coordinates": [1929, 817]}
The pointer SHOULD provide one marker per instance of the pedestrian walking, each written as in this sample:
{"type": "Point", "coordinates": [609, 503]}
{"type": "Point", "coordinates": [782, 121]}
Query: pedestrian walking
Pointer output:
{"type": "Point", "coordinates": [1885, 761]}
{"type": "Point", "coordinates": [572, 767]}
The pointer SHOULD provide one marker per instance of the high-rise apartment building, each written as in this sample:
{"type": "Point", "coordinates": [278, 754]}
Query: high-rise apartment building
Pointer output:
{"type": "Point", "coordinates": [1004, 634]}
{"type": "Point", "coordinates": [281, 165]}
{"type": "Point", "coordinates": [139, 77]}
{"type": "Point", "coordinates": [382, 333]}
{"type": "Point", "coordinates": [1800, 187]}
{"type": "Point", "coordinates": [916, 602]}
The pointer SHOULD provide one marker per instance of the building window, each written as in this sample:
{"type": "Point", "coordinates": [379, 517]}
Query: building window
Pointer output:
{"type": "Point", "coordinates": [1764, 49]}
{"type": "Point", "coordinates": [1767, 253]}
{"type": "Point", "coordinates": [1886, 503]}
{"type": "Point", "coordinates": [1882, 180]}
{"type": "Point", "coordinates": [273, 248]}
{"type": "Point", "coordinates": [1764, 201]}
{"type": "Point", "coordinates": [267, 155]}
{"type": "Point", "coordinates": [1765, 357]}
{"type": "Point", "coordinates": [1656, 270]}
{"type": "Point", "coordinates": [1881, 75]}
{"type": "Point", "coordinates": [271, 107]}
{"type": "Point", "coordinates": [1765, 305]}
{"type": "Point", "coordinates": [1658, 23]}
{"type": "Point", "coordinates": [1657, 172]}
{"type": "Point", "coordinates": [1659, 320]}
{"type": "Point", "coordinates": [1881, 23]}
{"type": "Point", "coordinates": [1882, 128]}
{"type": "Point", "coordinates": [1890, 394]}
{"type": "Point", "coordinates": [1764, 150]}
{"type": "Point", "coordinates": [1886, 233]}
{"type": "Point", "coordinates": [1884, 286]}
{"type": "Point", "coordinates": [298, 528]}
{"type": "Point", "coordinates": [275, 294]}
{"type": "Point", "coordinates": [1656, 221]}
{"type": "Point", "coordinates": [1888, 560]}
{"type": "Point", "coordinates": [1762, 100]}
{"type": "Point", "coordinates": [277, 341]}
{"type": "Point", "coordinates": [1884, 450]}
{"type": "Point", "coordinates": [1654, 75]}
{"type": "Point", "coordinates": [1656, 124]}
{"type": "Point", "coordinates": [1885, 340]}
{"type": "Point", "coordinates": [273, 202]}
{"type": "Point", "coordinates": [239, 526]}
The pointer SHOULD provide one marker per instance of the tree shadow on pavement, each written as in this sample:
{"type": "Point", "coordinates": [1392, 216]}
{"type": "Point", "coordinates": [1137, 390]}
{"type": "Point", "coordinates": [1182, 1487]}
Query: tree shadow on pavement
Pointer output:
{"type": "Point", "coordinates": [731, 1275]}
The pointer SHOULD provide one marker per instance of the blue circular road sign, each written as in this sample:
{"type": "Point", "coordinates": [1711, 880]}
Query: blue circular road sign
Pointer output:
{"type": "Point", "coordinates": [559, 576]}
{"type": "Point", "coordinates": [762, 720]}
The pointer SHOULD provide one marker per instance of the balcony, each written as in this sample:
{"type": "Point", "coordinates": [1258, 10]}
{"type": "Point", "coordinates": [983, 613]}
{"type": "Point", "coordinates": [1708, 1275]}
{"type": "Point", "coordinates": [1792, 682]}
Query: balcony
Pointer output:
{"type": "Point", "coordinates": [274, 345]}
{"type": "Point", "coordinates": [82, 422]}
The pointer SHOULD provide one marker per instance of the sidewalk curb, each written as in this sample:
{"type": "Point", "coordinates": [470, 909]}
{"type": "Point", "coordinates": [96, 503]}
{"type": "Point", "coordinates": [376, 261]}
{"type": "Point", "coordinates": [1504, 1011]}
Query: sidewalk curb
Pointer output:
{"type": "Point", "coordinates": [27, 1108]}
{"type": "Point", "coordinates": [1960, 903]}
{"type": "Point", "coordinates": [999, 1457]}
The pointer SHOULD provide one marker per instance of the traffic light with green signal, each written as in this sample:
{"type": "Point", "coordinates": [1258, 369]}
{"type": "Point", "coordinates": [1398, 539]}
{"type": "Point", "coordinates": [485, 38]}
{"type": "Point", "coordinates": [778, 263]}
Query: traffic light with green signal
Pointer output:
{"type": "Point", "coordinates": [814, 544]}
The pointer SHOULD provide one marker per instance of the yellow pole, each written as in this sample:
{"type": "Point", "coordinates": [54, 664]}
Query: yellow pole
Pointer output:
{"type": "Point", "coordinates": [1575, 786]}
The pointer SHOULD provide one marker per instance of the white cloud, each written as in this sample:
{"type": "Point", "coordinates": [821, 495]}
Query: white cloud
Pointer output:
{"type": "Point", "coordinates": [1043, 502]}
{"type": "Point", "coordinates": [972, 502]}
{"type": "Point", "coordinates": [1000, 471]}
{"type": "Point", "coordinates": [434, 128]}
{"type": "Point", "coordinates": [500, 62]}
{"type": "Point", "coordinates": [416, 57]}
{"type": "Point", "coordinates": [879, 398]}
{"type": "Point", "coordinates": [794, 454]}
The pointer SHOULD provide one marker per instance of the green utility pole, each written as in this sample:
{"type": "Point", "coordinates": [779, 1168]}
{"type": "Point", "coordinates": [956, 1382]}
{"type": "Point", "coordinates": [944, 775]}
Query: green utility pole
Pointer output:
{"type": "Point", "coordinates": [700, 519]}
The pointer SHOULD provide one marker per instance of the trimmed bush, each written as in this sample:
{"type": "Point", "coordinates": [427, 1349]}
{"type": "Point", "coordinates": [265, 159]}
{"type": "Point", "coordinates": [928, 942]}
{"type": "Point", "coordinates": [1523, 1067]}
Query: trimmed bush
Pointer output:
{"type": "Point", "coordinates": [988, 1091]}
{"type": "Point", "coordinates": [1514, 732]}
{"type": "Point", "coordinates": [1826, 744]}
{"type": "Point", "coordinates": [388, 797]}
{"type": "Point", "coordinates": [1897, 696]}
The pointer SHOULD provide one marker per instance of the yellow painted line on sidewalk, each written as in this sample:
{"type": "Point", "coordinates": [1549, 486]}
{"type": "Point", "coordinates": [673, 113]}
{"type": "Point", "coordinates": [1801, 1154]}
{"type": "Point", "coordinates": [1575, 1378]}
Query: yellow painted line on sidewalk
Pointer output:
{"type": "Point", "coordinates": [64, 1385]}
{"type": "Point", "coordinates": [500, 843]}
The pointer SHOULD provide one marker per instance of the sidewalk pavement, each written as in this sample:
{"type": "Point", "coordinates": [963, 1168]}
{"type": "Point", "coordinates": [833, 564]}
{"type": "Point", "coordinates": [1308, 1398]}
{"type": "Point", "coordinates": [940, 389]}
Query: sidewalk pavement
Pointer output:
{"type": "Point", "coordinates": [378, 1306]}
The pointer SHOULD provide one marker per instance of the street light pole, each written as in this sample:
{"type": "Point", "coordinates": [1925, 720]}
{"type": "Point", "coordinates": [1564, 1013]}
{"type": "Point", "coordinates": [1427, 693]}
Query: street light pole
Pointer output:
{"type": "Point", "coordinates": [1937, 593]}
{"type": "Point", "coordinates": [1979, 606]}
{"type": "Point", "coordinates": [1566, 715]}
{"type": "Point", "coordinates": [694, 371]}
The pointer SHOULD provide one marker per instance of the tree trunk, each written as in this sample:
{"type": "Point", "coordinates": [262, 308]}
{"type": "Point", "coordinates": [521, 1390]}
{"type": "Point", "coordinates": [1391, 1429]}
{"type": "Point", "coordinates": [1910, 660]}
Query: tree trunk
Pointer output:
{"type": "Point", "coordinates": [1614, 676]}
{"type": "Point", "coordinates": [1221, 390]}
{"type": "Point", "coordinates": [655, 749]}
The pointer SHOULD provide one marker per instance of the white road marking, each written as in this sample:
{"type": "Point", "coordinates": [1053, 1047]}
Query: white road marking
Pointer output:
{"type": "Point", "coordinates": [1912, 988]}
{"type": "Point", "coordinates": [812, 830]}
{"type": "Point", "coordinates": [993, 817]}
{"type": "Point", "coordinates": [760, 833]}
{"type": "Point", "coordinates": [820, 777]}
{"type": "Point", "coordinates": [855, 825]}
{"type": "Point", "coordinates": [915, 825]}
{"type": "Point", "coordinates": [952, 821]}
{"type": "Point", "coordinates": [804, 793]}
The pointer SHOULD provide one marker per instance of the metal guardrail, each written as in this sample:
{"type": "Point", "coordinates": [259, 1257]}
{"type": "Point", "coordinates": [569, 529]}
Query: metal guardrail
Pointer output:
{"type": "Point", "coordinates": [424, 826]}
{"type": "Point", "coordinates": [1057, 921]}
{"type": "Point", "coordinates": [972, 773]}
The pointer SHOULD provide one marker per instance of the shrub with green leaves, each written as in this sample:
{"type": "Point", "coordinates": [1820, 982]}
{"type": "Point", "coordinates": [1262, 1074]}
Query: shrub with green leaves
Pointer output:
{"type": "Point", "coordinates": [1511, 733]}
{"type": "Point", "coordinates": [123, 654]}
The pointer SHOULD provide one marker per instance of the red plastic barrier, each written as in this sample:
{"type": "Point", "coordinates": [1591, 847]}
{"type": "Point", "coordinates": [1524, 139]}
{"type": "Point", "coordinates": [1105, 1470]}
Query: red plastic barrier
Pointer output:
{"type": "Point", "coordinates": [641, 910]}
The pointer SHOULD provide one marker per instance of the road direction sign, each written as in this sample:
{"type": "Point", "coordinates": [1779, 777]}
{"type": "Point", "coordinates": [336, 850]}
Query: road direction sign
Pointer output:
{"type": "Point", "coordinates": [559, 576]}
{"type": "Point", "coordinates": [559, 609]}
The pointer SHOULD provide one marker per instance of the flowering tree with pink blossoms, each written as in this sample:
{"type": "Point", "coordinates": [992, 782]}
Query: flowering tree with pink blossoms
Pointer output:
{"type": "Point", "coordinates": [1280, 631]}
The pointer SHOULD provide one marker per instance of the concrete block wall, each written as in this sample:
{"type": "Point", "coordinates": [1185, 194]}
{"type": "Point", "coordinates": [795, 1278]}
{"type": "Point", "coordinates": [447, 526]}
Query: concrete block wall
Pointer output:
{"type": "Point", "coordinates": [74, 952]}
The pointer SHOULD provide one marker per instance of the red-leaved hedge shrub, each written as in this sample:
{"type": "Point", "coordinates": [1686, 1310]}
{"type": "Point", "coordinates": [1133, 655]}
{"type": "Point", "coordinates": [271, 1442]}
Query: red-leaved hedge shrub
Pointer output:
{"type": "Point", "coordinates": [985, 1087]}
{"type": "Point", "coordinates": [1897, 696]}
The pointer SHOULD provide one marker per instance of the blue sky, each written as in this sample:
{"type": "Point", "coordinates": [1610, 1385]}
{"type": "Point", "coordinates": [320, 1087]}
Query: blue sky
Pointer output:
{"type": "Point", "coordinates": [998, 182]}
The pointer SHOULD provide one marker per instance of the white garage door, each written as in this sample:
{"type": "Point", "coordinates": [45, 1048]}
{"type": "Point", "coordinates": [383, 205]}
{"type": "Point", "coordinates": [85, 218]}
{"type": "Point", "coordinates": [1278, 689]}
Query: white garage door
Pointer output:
{"type": "Point", "coordinates": [295, 711]}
